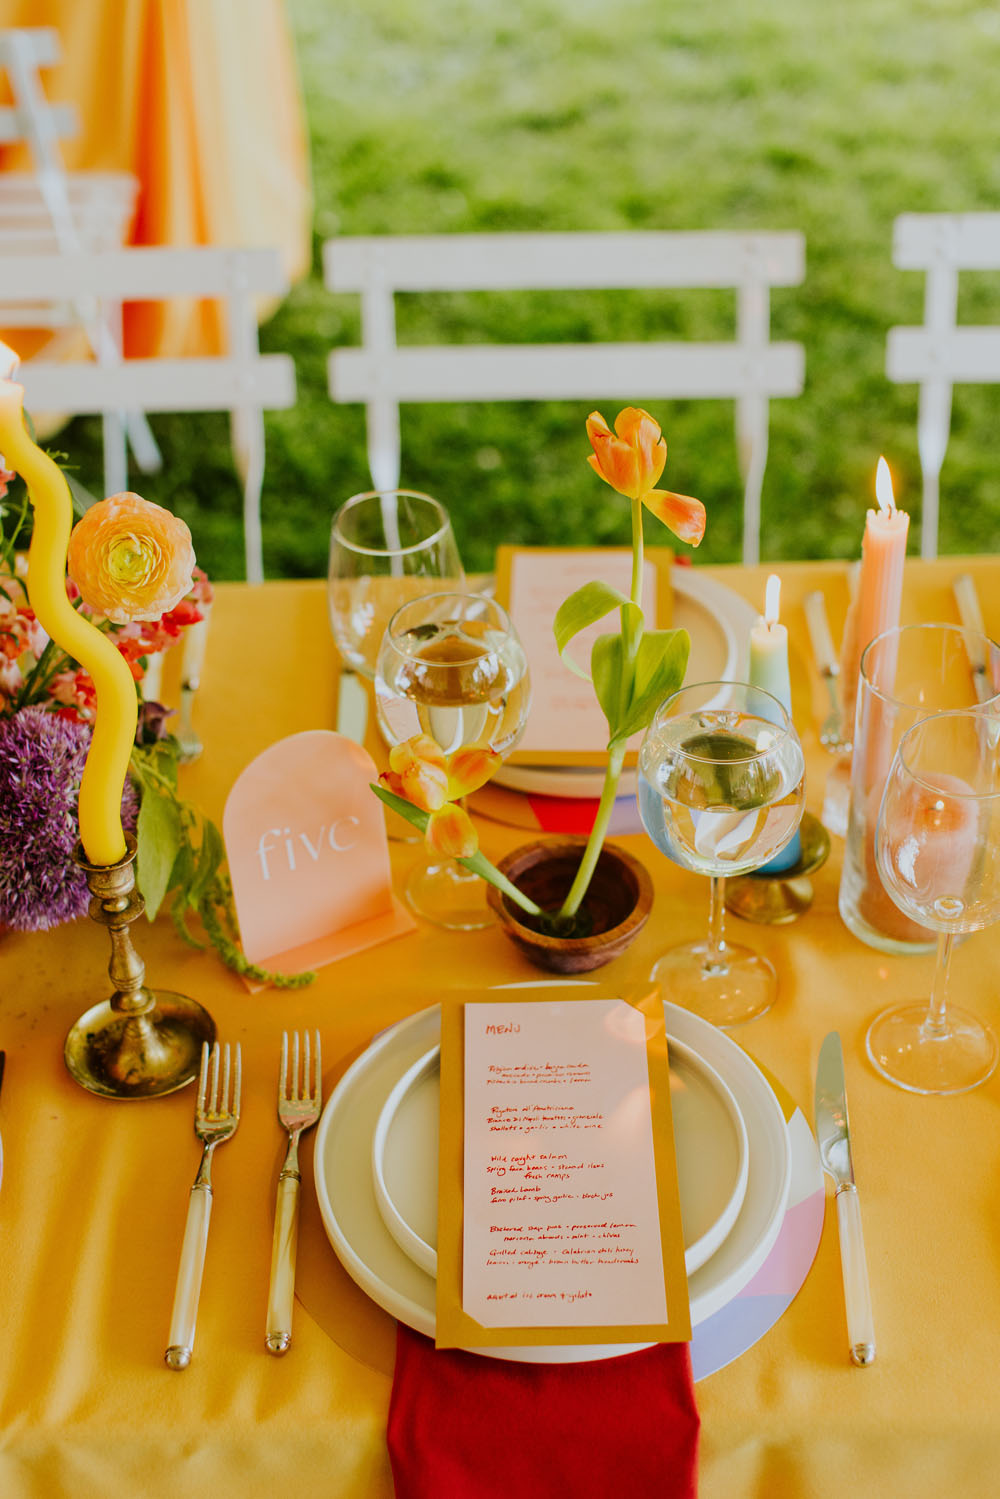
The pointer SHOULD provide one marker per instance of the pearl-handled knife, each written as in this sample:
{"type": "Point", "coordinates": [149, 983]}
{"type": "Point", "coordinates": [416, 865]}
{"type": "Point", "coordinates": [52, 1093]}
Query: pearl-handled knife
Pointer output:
{"type": "Point", "coordinates": [833, 1132]}
{"type": "Point", "coordinates": [971, 616]}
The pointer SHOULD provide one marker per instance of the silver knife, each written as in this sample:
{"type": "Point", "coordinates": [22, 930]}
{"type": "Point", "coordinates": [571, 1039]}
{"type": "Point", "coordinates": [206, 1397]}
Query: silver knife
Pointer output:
{"type": "Point", "coordinates": [971, 616]}
{"type": "Point", "coordinates": [833, 1130]}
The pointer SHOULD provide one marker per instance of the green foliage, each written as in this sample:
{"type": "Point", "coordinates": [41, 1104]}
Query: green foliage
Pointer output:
{"type": "Point", "coordinates": [460, 116]}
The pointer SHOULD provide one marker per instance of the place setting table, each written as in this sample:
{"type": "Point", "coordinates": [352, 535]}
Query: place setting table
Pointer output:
{"type": "Point", "coordinates": [592, 1178]}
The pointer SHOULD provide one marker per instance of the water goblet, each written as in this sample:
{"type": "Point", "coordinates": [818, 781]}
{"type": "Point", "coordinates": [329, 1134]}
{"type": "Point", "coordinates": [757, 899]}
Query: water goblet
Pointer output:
{"type": "Point", "coordinates": [386, 546]}
{"type": "Point", "coordinates": [937, 849]}
{"type": "Point", "coordinates": [720, 785]}
{"type": "Point", "coordinates": [451, 666]}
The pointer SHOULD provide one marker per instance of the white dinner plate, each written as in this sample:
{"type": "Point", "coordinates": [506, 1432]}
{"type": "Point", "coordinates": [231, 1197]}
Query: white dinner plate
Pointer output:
{"type": "Point", "coordinates": [710, 1141]}
{"type": "Point", "coordinates": [717, 620]}
{"type": "Point", "coordinates": [354, 1225]}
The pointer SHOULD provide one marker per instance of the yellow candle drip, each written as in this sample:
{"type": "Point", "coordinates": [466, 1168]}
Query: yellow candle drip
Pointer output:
{"type": "Point", "coordinates": [117, 704]}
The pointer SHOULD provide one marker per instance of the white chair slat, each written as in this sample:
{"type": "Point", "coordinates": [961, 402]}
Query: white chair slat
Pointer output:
{"type": "Point", "coordinates": [40, 44]}
{"type": "Point", "coordinates": [969, 356]}
{"type": "Point", "coordinates": [196, 384]}
{"type": "Point", "coordinates": [502, 262]}
{"type": "Point", "coordinates": [63, 119]}
{"type": "Point", "coordinates": [541, 372]}
{"type": "Point", "coordinates": [968, 241]}
{"type": "Point", "coordinates": [140, 274]}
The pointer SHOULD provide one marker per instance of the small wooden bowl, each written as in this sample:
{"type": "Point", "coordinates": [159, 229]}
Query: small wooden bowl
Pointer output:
{"type": "Point", "coordinates": [618, 902]}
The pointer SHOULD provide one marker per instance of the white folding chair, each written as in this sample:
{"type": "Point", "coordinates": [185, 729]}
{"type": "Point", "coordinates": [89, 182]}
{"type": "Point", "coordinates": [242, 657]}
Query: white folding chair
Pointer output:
{"type": "Point", "coordinates": [940, 354]}
{"type": "Point", "coordinates": [749, 370]}
{"type": "Point", "coordinates": [242, 381]}
{"type": "Point", "coordinates": [50, 210]}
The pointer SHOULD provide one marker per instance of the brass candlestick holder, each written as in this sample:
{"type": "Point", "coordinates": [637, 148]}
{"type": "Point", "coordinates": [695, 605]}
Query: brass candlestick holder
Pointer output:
{"type": "Point", "coordinates": [137, 1044]}
{"type": "Point", "coordinates": [773, 899]}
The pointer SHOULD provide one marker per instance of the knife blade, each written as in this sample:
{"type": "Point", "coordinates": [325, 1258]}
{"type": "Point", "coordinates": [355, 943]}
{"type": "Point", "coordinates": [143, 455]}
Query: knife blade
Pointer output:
{"type": "Point", "coordinates": [971, 616]}
{"type": "Point", "coordinates": [352, 706]}
{"type": "Point", "coordinates": [833, 1131]}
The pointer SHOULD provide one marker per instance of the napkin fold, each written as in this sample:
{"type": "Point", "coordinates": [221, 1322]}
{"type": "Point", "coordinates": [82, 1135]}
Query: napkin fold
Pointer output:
{"type": "Point", "coordinates": [462, 1426]}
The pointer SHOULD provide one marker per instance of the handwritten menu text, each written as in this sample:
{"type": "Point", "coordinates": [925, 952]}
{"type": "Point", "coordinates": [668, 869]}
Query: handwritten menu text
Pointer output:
{"type": "Point", "coordinates": [561, 1224]}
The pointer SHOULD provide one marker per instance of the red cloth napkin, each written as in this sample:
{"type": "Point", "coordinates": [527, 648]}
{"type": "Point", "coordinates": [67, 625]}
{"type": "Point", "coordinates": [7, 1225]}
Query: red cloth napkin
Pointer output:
{"type": "Point", "coordinates": [466, 1427]}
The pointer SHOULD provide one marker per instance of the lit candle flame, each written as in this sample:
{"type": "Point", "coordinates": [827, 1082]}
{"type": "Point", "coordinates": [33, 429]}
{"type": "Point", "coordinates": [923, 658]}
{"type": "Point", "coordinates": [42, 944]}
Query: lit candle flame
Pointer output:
{"type": "Point", "coordinates": [883, 488]}
{"type": "Point", "coordinates": [772, 594]}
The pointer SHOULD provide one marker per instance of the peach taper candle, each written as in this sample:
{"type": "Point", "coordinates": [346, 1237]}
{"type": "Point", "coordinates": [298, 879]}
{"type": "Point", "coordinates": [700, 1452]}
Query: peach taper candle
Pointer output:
{"type": "Point", "coordinates": [117, 705]}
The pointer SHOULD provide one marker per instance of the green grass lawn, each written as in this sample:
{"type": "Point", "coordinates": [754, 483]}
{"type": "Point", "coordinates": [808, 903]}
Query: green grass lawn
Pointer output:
{"type": "Point", "coordinates": [466, 115]}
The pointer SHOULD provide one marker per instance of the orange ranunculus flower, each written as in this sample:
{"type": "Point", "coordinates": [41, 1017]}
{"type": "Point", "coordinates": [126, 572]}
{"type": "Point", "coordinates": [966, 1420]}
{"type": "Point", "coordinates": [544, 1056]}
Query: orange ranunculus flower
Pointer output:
{"type": "Point", "coordinates": [631, 459]}
{"type": "Point", "coordinates": [131, 559]}
{"type": "Point", "coordinates": [450, 833]}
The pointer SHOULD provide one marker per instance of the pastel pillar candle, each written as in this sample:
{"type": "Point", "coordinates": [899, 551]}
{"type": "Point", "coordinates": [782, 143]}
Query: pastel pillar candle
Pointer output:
{"type": "Point", "coordinates": [769, 671]}
{"type": "Point", "coordinates": [117, 704]}
{"type": "Point", "coordinates": [876, 605]}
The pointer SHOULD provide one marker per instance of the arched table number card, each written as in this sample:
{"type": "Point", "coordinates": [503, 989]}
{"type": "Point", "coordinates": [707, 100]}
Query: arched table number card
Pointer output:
{"type": "Point", "coordinates": [308, 854]}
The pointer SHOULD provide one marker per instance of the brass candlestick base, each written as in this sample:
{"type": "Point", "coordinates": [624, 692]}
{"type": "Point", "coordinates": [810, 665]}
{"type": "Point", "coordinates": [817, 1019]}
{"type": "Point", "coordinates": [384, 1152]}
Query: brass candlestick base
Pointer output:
{"type": "Point", "coordinates": [773, 899]}
{"type": "Point", "coordinates": [137, 1044]}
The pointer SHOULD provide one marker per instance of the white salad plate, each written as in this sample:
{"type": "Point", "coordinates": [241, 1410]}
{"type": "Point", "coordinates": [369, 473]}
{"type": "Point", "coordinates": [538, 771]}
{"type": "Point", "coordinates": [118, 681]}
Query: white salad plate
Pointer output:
{"type": "Point", "coordinates": [345, 1182]}
{"type": "Point", "coordinates": [710, 1141]}
{"type": "Point", "coordinates": [717, 620]}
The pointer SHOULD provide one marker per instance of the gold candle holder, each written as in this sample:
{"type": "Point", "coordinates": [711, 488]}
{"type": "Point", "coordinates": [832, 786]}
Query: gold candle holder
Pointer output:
{"type": "Point", "coordinates": [137, 1044]}
{"type": "Point", "coordinates": [773, 899]}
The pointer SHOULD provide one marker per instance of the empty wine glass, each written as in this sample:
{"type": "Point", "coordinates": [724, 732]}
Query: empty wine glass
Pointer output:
{"type": "Point", "coordinates": [937, 848]}
{"type": "Point", "coordinates": [720, 786]}
{"type": "Point", "coordinates": [386, 546]}
{"type": "Point", "coordinates": [451, 666]}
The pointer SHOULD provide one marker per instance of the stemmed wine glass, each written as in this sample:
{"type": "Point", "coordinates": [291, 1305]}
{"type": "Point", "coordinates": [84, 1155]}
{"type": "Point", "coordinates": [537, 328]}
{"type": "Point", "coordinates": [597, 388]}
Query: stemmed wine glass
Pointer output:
{"type": "Point", "coordinates": [937, 848]}
{"type": "Point", "coordinates": [451, 666]}
{"type": "Point", "coordinates": [386, 546]}
{"type": "Point", "coordinates": [721, 777]}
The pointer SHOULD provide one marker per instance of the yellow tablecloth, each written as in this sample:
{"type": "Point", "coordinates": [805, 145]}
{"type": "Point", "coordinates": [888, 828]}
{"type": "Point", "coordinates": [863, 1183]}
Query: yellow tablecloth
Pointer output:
{"type": "Point", "coordinates": [94, 1193]}
{"type": "Point", "coordinates": [200, 100]}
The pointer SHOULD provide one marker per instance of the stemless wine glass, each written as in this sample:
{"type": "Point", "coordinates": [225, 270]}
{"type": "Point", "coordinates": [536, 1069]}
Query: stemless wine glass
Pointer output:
{"type": "Point", "coordinates": [451, 666]}
{"type": "Point", "coordinates": [721, 777]}
{"type": "Point", "coordinates": [386, 546]}
{"type": "Point", "coordinates": [937, 847]}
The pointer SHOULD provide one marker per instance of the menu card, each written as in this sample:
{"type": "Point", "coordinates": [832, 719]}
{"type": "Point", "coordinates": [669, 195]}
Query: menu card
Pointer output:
{"type": "Point", "coordinates": [566, 725]}
{"type": "Point", "coordinates": [559, 1215]}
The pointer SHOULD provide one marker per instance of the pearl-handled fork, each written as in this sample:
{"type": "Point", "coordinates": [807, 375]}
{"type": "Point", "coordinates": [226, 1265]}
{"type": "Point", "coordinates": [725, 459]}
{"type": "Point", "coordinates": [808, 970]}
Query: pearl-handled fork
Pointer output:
{"type": "Point", "coordinates": [216, 1115]}
{"type": "Point", "coordinates": [299, 1101]}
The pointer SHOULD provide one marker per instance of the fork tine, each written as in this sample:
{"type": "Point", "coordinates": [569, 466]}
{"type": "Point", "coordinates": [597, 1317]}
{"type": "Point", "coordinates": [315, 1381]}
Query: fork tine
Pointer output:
{"type": "Point", "coordinates": [213, 1091]}
{"type": "Point", "coordinates": [306, 1067]}
{"type": "Point", "coordinates": [283, 1075]}
{"type": "Point", "coordinates": [224, 1097]}
{"type": "Point", "coordinates": [238, 1081]}
{"type": "Point", "coordinates": [318, 1080]}
{"type": "Point", "coordinates": [295, 1067]}
{"type": "Point", "coordinates": [202, 1079]}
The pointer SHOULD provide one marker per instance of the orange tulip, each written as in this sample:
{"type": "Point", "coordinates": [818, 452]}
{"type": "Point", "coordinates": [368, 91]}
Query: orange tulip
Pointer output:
{"type": "Point", "coordinates": [468, 769]}
{"type": "Point", "coordinates": [131, 559]}
{"type": "Point", "coordinates": [423, 781]}
{"type": "Point", "coordinates": [631, 459]}
{"type": "Point", "coordinates": [450, 833]}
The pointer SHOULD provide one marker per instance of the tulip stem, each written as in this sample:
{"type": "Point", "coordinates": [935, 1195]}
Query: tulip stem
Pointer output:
{"type": "Point", "coordinates": [631, 636]}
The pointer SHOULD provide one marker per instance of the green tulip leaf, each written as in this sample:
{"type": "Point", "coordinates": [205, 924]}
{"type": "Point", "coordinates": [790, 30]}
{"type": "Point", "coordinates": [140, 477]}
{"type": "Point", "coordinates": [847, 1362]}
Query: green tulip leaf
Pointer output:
{"type": "Point", "coordinates": [584, 607]}
{"type": "Point", "coordinates": [159, 836]}
{"type": "Point", "coordinates": [606, 661]}
{"type": "Point", "coordinates": [660, 664]}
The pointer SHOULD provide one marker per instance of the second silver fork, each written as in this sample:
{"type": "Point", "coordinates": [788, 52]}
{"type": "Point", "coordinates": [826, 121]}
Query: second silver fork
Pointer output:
{"type": "Point", "coordinates": [299, 1101]}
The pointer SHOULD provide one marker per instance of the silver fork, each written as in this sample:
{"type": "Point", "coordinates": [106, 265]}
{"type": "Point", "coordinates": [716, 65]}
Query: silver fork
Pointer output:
{"type": "Point", "coordinates": [216, 1115]}
{"type": "Point", "coordinates": [831, 734]}
{"type": "Point", "coordinates": [299, 1101]}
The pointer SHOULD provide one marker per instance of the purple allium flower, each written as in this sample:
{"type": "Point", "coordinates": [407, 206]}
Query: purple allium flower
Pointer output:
{"type": "Point", "coordinates": [41, 761]}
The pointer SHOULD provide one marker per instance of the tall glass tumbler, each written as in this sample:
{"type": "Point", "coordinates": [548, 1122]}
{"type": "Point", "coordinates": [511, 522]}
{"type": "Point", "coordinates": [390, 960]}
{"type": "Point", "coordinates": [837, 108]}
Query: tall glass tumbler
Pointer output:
{"type": "Point", "coordinates": [907, 674]}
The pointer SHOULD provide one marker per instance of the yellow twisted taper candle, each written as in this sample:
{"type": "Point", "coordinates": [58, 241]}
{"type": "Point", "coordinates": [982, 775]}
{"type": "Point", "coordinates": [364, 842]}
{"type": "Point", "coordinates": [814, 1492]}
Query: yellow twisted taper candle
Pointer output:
{"type": "Point", "coordinates": [117, 704]}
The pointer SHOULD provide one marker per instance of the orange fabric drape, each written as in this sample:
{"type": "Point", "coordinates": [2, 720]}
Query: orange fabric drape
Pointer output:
{"type": "Point", "coordinates": [200, 100]}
